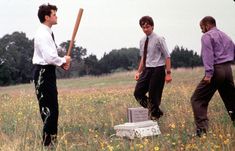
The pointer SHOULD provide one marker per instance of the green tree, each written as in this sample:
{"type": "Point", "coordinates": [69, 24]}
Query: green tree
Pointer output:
{"type": "Point", "coordinates": [91, 66]}
{"type": "Point", "coordinates": [16, 52]}
{"type": "Point", "coordinates": [182, 57]}
{"type": "Point", "coordinates": [77, 55]}
{"type": "Point", "coordinates": [126, 59]}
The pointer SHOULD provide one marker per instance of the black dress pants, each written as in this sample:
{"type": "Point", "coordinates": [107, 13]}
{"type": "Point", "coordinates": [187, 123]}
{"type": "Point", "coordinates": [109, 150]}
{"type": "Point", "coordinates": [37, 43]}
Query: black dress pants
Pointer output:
{"type": "Point", "coordinates": [151, 80]}
{"type": "Point", "coordinates": [46, 91]}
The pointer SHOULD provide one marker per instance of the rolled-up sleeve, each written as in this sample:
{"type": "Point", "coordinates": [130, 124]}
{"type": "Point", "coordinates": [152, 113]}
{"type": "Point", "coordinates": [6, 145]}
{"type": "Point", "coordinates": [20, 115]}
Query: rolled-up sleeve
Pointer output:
{"type": "Point", "coordinates": [141, 47]}
{"type": "Point", "coordinates": [164, 48]}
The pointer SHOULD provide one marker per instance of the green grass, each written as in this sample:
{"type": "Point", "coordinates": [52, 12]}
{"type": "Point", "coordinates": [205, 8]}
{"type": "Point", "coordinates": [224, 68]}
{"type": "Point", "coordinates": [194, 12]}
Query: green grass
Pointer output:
{"type": "Point", "coordinates": [91, 106]}
{"type": "Point", "coordinates": [116, 79]}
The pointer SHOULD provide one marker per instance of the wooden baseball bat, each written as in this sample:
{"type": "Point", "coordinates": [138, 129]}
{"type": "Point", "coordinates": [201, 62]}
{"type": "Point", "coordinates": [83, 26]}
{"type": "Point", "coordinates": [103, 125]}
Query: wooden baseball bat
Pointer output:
{"type": "Point", "coordinates": [75, 31]}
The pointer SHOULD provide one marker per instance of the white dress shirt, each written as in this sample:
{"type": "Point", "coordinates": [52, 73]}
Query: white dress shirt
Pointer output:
{"type": "Point", "coordinates": [157, 51]}
{"type": "Point", "coordinates": [45, 52]}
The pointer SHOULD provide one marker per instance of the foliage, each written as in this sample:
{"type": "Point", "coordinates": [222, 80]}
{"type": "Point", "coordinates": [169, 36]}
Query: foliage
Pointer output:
{"type": "Point", "coordinates": [16, 53]}
{"type": "Point", "coordinates": [182, 57]}
{"type": "Point", "coordinates": [91, 66]}
{"type": "Point", "coordinates": [123, 58]}
{"type": "Point", "coordinates": [77, 55]}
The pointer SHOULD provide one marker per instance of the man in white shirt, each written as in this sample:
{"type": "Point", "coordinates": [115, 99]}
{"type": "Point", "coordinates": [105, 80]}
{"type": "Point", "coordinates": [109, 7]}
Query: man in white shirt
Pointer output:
{"type": "Point", "coordinates": [45, 59]}
{"type": "Point", "coordinates": [154, 69]}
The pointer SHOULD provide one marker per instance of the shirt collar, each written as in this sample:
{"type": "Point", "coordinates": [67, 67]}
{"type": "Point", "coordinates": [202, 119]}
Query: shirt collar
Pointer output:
{"type": "Point", "coordinates": [151, 35]}
{"type": "Point", "coordinates": [214, 28]}
{"type": "Point", "coordinates": [46, 28]}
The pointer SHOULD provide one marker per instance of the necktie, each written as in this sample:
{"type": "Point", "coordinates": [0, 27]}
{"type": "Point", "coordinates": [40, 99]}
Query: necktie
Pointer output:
{"type": "Point", "coordinates": [52, 35]}
{"type": "Point", "coordinates": [145, 50]}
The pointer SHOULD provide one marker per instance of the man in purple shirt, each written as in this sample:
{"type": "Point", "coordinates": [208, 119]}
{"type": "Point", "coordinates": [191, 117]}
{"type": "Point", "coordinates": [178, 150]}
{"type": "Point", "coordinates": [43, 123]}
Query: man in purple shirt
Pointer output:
{"type": "Point", "coordinates": [217, 54]}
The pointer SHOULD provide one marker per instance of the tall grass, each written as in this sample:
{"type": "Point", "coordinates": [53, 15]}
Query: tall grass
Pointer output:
{"type": "Point", "coordinates": [91, 106]}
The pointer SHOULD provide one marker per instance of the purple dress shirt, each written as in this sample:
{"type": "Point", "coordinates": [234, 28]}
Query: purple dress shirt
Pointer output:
{"type": "Point", "coordinates": [217, 48]}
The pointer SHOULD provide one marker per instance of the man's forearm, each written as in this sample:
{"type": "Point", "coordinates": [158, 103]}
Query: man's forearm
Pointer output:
{"type": "Point", "coordinates": [168, 65]}
{"type": "Point", "coordinates": [140, 68]}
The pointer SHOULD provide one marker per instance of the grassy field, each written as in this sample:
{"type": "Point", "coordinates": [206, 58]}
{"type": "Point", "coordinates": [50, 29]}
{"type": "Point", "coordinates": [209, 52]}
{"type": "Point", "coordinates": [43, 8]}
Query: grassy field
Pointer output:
{"type": "Point", "coordinates": [91, 106]}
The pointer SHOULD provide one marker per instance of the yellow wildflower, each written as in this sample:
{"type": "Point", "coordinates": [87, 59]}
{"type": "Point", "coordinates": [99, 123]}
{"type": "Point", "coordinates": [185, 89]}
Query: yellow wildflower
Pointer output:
{"type": "Point", "coordinates": [226, 141]}
{"type": "Point", "coordinates": [110, 148]}
{"type": "Point", "coordinates": [156, 148]}
{"type": "Point", "coordinates": [172, 125]}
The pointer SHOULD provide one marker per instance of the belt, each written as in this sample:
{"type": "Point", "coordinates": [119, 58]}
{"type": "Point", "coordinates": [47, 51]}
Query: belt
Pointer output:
{"type": "Point", "coordinates": [45, 66]}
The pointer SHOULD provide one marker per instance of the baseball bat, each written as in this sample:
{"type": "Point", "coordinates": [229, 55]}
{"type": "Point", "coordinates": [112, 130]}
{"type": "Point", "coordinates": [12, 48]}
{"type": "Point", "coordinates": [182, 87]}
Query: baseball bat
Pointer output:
{"type": "Point", "coordinates": [75, 31]}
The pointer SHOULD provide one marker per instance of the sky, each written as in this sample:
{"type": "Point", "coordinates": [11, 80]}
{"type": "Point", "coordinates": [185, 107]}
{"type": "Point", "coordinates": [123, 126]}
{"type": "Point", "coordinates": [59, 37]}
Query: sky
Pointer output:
{"type": "Point", "coordinates": [114, 24]}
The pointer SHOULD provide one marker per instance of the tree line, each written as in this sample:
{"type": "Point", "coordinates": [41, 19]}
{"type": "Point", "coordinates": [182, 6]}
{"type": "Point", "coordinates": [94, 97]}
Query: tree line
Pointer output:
{"type": "Point", "coordinates": [16, 52]}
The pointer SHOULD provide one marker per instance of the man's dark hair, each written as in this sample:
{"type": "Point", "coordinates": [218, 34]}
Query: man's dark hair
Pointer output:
{"type": "Point", "coordinates": [146, 20]}
{"type": "Point", "coordinates": [45, 10]}
{"type": "Point", "coordinates": [208, 20]}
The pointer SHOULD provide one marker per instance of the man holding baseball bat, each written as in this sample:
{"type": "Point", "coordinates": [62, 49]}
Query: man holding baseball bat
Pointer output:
{"type": "Point", "coordinates": [154, 69]}
{"type": "Point", "coordinates": [45, 59]}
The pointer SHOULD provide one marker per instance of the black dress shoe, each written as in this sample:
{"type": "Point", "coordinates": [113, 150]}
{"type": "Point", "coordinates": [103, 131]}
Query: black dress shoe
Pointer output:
{"type": "Point", "coordinates": [200, 132]}
{"type": "Point", "coordinates": [156, 114]}
{"type": "Point", "coordinates": [49, 140]}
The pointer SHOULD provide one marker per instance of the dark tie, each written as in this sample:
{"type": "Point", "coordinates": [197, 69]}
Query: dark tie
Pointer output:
{"type": "Point", "coordinates": [145, 50]}
{"type": "Point", "coordinates": [52, 35]}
